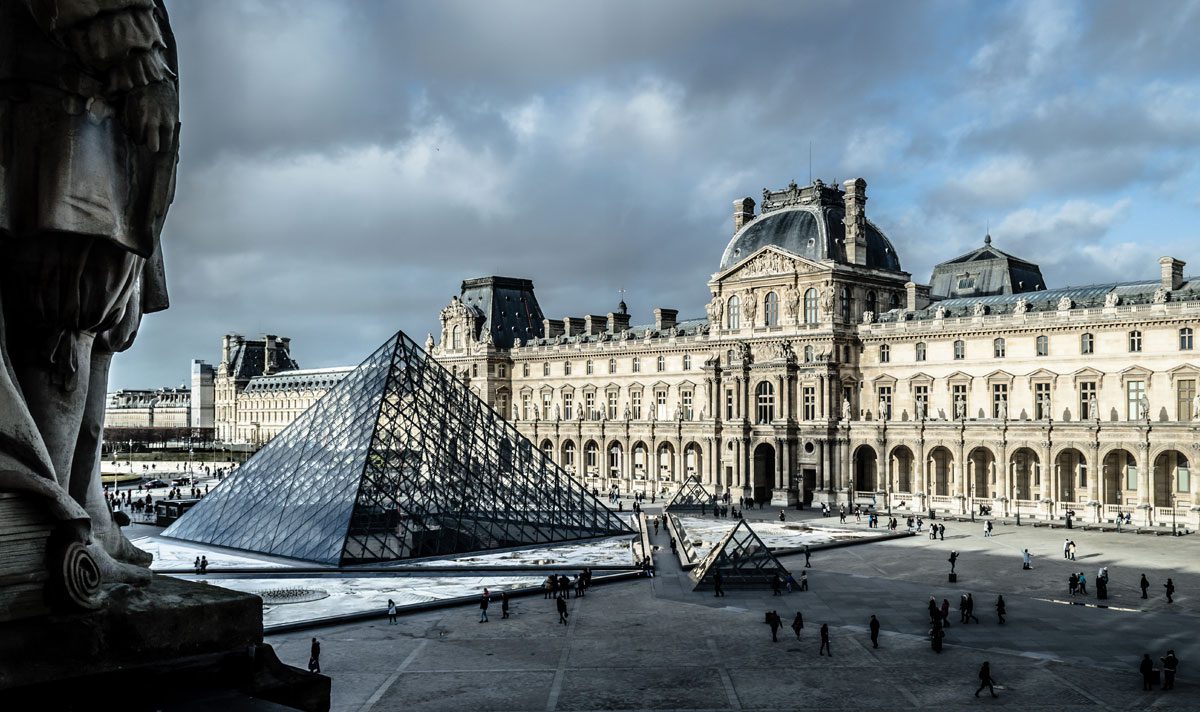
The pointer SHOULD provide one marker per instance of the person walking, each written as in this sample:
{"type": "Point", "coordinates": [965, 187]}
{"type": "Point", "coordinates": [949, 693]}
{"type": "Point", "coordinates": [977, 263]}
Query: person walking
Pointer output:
{"type": "Point", "coordinates": [1147, 670]}
{"type": "Point", "coordinates": [1000, 609]}
{"type": "Point", "coordinates": [1073, 582]}
{"type": "Point", "coordinates": [1072, 550]}
{"type": "Point", "coordinates": [561, 604]}
{"type": "Point", "coordinates": [945, 612]}
{"type": "Point", "coordinates": [985, 680]}
{"type": "Point", "coordinates": [935, 614]}
{"type": "Point", "coordinates": [1082, 584]}
{"type": "Point", "coordinates": [1145, 584]}
{"type": "Point", "coordinates": [807, 555]}
{"type": "Point", "coordinates": [203, 564]}
{"type": "Point", "coordinates": [718, 581]}
{"type": "Point", "coordinates": [798, 624]}
{"type": "Point", "coordinates": [776, 623]}
{"type": "Point", "coordinates": [874, 625]}
{"type": "Point", "coordinates": [391, 609]}
{"type": "Point", "coordinates": [781, 518]}
{"type": "Point", "coordinates": [656, 526]}
{"type": "Point", "coordinates": [962, 608]}
{"type": "Point", "coordinates": [1170, 665]}
{"type": "Point", "coordinates": [1026, 560]}
{"type": "Point", "coordinates": [971, 610]}
{"type": "Point", "coordinates": [1170, 586]}
{"type": "Point", "coordinates": [953, 560]}
{"type": "Point", "coordinates": [935, 637]}
{"type": "Point", "coordinates": [483, 606]}
{"type": "Point", "coordinates": [314, 657]}
{"type": "Point", "coordinates": [825, 640]}
{"type": "Point", "coordinates": [803, 580]}
{"type": "Point", "coordinates": [196, 564]}
{"type": "Point", "coordinates": [776, 585]}
{"type": "Point", "coordinates": [942, 532]}
{"type": "Point", "coordinates": [504, 605]}
{"type": "Point", "coordinates": [1066, 548]}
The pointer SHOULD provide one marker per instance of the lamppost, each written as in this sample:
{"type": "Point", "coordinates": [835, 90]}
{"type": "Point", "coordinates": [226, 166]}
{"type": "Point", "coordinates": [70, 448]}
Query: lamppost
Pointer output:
{"type": "Point", "coordinates": [1174, 506]}
{"type": "Point", "coordinates": [971, 489]}
{"type": "Point", "coordinates": [1018, 498]}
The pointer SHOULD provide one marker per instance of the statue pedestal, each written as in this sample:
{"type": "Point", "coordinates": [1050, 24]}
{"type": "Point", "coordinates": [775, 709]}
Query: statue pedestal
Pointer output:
{"type": "Point", "coordinates": [783, 498]}
{"type": "Point", "coordinates": [167, 641]}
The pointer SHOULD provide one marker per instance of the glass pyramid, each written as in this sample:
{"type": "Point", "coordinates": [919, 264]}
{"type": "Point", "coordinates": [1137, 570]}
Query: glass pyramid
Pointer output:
{"type": "Point", "coordinates": [743, 559]}
{"type": "Point", "coordinates": [691, 497]}
{"type": "Point", "coordinates": [398, 460]}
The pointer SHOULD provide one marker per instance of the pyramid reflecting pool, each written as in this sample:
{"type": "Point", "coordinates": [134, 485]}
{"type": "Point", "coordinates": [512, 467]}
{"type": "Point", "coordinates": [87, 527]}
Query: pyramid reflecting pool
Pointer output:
{"type": "Point", "coordinates": [399, 460]}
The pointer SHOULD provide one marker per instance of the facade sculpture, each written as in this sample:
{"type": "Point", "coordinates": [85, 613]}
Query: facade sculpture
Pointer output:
{"type": "Point", "coordinates": [90, 126]}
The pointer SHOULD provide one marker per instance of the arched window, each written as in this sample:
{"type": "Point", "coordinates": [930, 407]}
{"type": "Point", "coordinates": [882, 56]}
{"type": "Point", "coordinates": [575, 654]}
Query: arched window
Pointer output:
{"type": "Point", "coordinates": [960, 350]}
{"type": "Point", "coordinates": [808, 354]}
{"type": "Point", "coordinates": [589, 367]}
{"type": "Point", "coordinates": [847, 305]}
{"type": "Point", "coordinates": [1043, 345]}
{"type": "Point", "coordinates": [548, 449]}
{"type": "Point", "coordinates": [872, 303]}
{"type": "Point", "coordinates": [810, 306]}
{"type": "Point", "coordinates": [456, 337]}
{"type": "Point", "coordinates": [895, 301]}
{"type": "Point", "coordinates": [1087, 344]}
{"type": "Point", "coordinates": [765, 396]}
{"type": "Point", "coordinates": [921, 350]}
{"type": "Point", "coordinates": [734, 312]}
{"type": "Point", "coordinates": [569, 454]}
{"type": "Point", "coordinates": [546, 369]}
{"type": "Point", "coordinates": [612, 365]}
{"type": "Point", "coordinates": [771, 309]}
{"type": "Point", "coordinates": [590, 455]}
{"type": "Point", "coordinates": [885, 353]}
{"type": "Point", "coordinates": [614, 461]}
{"type": "Point", "coordinates": [998, 348]}
{"type": "Point", "coordinates": [1135, 340]}
{"type": "Point", "coordinates": [660, 364]}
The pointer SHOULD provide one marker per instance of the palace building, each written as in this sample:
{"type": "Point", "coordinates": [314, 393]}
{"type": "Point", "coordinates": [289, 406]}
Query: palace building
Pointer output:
{"type": "Point", "coordinates": [822, 372]}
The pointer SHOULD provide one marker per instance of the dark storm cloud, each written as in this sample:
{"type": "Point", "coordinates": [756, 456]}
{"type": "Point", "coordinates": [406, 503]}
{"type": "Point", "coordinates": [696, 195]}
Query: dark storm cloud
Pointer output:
{"type": "Point", "coordinates": [346, 165]}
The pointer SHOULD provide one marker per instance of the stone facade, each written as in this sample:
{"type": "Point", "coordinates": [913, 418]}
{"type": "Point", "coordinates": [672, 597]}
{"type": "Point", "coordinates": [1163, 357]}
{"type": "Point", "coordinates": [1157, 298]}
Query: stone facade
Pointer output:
{"type": "Point", "coordinates": [166, 408]}
{"type": "Point", "coordinates": [823, 373]}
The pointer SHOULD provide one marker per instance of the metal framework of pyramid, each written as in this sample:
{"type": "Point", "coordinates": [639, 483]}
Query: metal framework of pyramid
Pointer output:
{"type": "Point", "coordinates": [743, 560]}
{"type": "Point", "coordinates": [691, 497]}
{"type": "Point", "coordinates": [399, 460]}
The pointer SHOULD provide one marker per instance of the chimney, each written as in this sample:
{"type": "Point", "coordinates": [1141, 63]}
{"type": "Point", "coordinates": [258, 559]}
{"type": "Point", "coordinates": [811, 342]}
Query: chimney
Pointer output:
{"type": "Point", "coordinates": [617, 322]}
{"type": "Point", "coordinates": [1172, 273]}
{"type": "Point", "coordinates": [572, 326]}
{"type": "Point", "coordinates": [594, 324]}
{"type": "Point", "coordinates": [910, 296]}
{"type": "Point", "coordinates": [856, 221]}
{"type": "Point", "coordinates": [227, 348]}
{"type": "Point", "coordinates": [268, 354]}
{"type": "Point", "coordinates": [743, 212]}
{"type": "Point", "coordinates": [552, 328]}
{"type": "Point", "coordinates": [664, 318]}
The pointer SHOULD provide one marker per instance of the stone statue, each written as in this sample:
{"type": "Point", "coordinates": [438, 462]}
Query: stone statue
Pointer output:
{"type": "Point", "coordinates": [1021, 307]}
{"type": "Point", "coordinates": [516, 412]}
{"type": "Point", "coordinates": [428, 343]}
{"type": "Point", "coordinates": [1065, 304]}
{"type": "Point", "coordinates": [960, 409]}
{"type": "Point", "coordinates": [716, 309]}
{"type": "Point", "coordinates": [827, 299]}
{"type": "Point", "coordinates": [868, 317]}
{"type": "Point", "coordinates": [1144, 408]}
{"type": "Point", "coordinates": [1161, 296]}
{"type": "Point", "coordinates": [847, 413]}
{"type": "Point", "coordinates": [1112, 299]}
{"type": "Point", "coordinates": [749, 307]}
{"type": "Point", "coordinates": [558, 412]}
{"type": "Point", "coordinates": [939, 313]}
{"type": "Point", "coordinates": [516, 343]}
{"type": "Point", "coordinates": [1003, 409]}
{"type": "Point", "coordinates": [1093, 408]}
{"type": "Point", "coordinates": [791, 302]}
{"type": "Point", "coordinates": [90, 122]}
{"type": "Point", "coordinates": [627, 412]}
{"type": "Point", "coordinates": [979, 309]}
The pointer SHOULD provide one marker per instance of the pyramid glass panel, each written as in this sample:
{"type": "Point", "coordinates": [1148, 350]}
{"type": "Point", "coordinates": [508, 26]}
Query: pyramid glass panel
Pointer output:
{"type": "Point", "coordinates": [399, 460]}
{"type": "Point", "coordinates": [743, 560]}
{"type": "Point", "coordinates": [691, 497]}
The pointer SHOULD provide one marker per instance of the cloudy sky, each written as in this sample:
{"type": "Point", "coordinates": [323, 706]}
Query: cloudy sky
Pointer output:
{"type": "Point", "coordinates": [346, 164]}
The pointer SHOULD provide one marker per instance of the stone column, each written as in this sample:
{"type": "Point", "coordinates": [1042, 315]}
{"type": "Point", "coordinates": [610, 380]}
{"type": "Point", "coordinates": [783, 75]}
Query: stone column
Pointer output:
{"type": "Point", "coordinates": [1144, 493]}
{"type": "Point", "coordinates": [1048, 468]}
{"type": "Point", "coordinates": [920, 477]}
{"type": "Point", "coordinates": [1094, 484]}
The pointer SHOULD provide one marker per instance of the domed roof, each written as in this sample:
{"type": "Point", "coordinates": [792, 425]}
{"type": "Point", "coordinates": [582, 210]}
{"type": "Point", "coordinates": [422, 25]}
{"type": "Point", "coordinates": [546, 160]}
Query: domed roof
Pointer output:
{"type": "Point", "coordinates": [815, 232]}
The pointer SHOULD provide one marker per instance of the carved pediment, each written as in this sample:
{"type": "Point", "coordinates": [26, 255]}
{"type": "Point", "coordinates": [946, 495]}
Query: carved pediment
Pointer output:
{"type": "Point", "coordinates": [1136, 373]}
{"type": "Point", "coordinates": [1041, 375]}
{"type": "Point", "coordinates": [1087, 374]}
{"type": "Point", "coordinates": [769, 261]}
{"type": "Point", "coordinates": [1187, 370]}
{"type": "Point", "coordinates": [999, 375]}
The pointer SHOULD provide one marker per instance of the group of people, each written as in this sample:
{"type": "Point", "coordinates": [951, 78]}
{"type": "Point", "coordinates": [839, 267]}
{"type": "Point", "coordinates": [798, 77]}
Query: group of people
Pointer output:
{"type": "Point", "coordinates": [776, 622]}
{"type": "Point", "coordinates": [560, 585]}
{"type": "Point", "coordinates": [939, 616]}
{"type": "Point", "coordinates": [937, 531]}
{"type": "Point", "coordinates": [1170, 665]}
{"type": "Point", "coordinates": [200, 564]}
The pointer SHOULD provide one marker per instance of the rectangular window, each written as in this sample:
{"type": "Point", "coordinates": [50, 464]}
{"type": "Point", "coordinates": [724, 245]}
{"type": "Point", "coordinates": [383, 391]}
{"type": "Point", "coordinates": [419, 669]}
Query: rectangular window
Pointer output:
{"type": "Point", "coordinates": [728, 404]}
{"type": "Point", "coordinates": [1135, 391]}
{"type": "Point", "coordinates": [960, 350]}
{"type": "Point", "coordinates": [1185, 339]}
{"type": "Point", "coordinates": [545, 406]}
{"type": "Point", "coordinates": [1183, 480]}
{"type": "Point", "coordinates": [501, 370]}
{"type": "Point", "coordinates": [1041, 400]}
{"type": "Point", "coordinates": [660, 405]}
{"type": "Point", "coordinates": [526, 404]}
{"type": "Point", "coordinates": [686, 397]}
{"type": "Point", "coordinates": [1131, 473]}
{"type": "Point", "coordinates": [885, 402]}
{"type": "Point", "coordinates": [566, 368]}
{"type": "Point", "coordinates": [589, 406]}
{"type": "Point", "coordinates": [637, 365]}
{"type": "Point", "coordinates": [1185, 398]}
{"type": "Point", "coordinates": [999, 400]}
{"type": "Point", "coordinates": [612, 405]}
{"type": "Point", "coordinates": [525, 370]}
{"type": "Point", "coordinates": [1087, 393]}
{"type": "Point", "coordinates": [958, 400]}
{"type": "Point", "coordinates": [1135, 341]}
{"type": "Point", "coordinates": [810, 403]}
{"type": "Point", "coordinates": [635, 398]}
{"type": "Point", "coordinates": [885, 353]}
{"type": "Point", "coordinates": [921, 400]}
{"type": "Point", "coordinates": [568, 405]}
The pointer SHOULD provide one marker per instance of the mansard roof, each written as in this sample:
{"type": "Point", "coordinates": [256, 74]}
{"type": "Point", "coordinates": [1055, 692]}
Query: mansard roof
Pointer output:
{"type": "Point", "coordinates": [985, 271]}
{"type": "Point", "coordinates": [508, 307]}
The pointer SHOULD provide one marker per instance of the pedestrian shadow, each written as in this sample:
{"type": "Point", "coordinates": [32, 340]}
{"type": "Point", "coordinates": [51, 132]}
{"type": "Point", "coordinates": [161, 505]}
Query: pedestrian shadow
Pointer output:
{"type": "Point", "coordinates": [1087, 556]}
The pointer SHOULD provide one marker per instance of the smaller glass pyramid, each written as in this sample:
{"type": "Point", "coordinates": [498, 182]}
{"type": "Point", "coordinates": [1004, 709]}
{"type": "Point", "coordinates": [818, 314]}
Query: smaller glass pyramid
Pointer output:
{"type": "Point", "coordinates": [743, 560]}
{"type": "Point", "coordinates": [399, 460]}
{"type": "Point", "coordinates": [691, 497]}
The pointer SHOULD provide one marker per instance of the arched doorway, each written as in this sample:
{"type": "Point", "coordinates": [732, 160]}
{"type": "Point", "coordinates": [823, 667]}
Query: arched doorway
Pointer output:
{"type": "Point", "coordinates": [902, 469]}
{"type": "Point", "coordinates": [1070, 471]}
{"type": "Point", "coordinates": [1026, 474]}
{"type": "Point", "coordinates": [568, 456]}
{"type": "Point", "coordinates": [641, 460]}
{"type": "Point", "coordinates": [665, 460]}
{"type": "Point", "coordinates": [616, 460]}
{"type": "Point", "coordinates": [941, 465]}
{"type": "Point", "coordinates": [1120, 479]}
{"type": "Point", "coordinates": [865, 469]}
{"type": "Point", "coordinates": [764, 472]}
{"type": "Point", "coordinates": [981, 474]}
{"type": "Point", "coordinates": [1172, 479]}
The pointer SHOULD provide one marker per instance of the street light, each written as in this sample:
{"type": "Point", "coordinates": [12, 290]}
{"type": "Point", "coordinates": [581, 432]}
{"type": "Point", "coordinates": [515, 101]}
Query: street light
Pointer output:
{"type": "Point", "coordinates": [1018, 498]}
{"type": "Point", "coordinates": [971, 489]}
{"type": "Point", "coordinates": [1174, 506]}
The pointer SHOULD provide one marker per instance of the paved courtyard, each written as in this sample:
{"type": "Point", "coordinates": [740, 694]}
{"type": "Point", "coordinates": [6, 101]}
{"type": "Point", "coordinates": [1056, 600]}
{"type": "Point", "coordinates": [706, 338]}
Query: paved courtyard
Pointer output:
{"type": "Point", "coordinates": [656, 645]}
